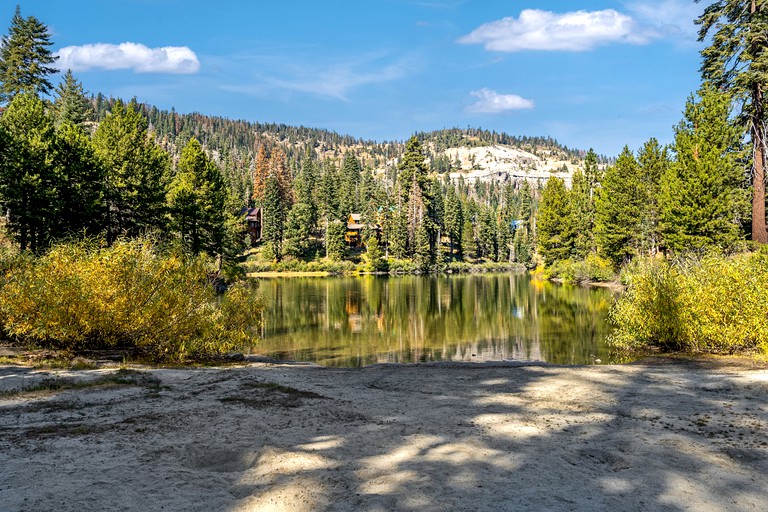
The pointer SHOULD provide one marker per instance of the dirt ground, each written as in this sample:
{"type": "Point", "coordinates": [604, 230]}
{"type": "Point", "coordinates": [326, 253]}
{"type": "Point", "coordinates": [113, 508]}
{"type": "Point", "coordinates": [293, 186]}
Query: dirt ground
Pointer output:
{"type": "Point", "coordinates": [488, 437]}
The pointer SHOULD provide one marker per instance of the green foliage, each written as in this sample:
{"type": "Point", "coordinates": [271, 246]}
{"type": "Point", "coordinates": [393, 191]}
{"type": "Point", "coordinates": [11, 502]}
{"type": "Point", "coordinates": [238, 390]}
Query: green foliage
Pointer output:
{"type": "Point", "coordinates": [274, 217]}
{"type": "Point", "coordinates": [715, 304]}
{"type": "Point", "coordinates": [80, 184]}
{"type": "Point", "coordinates": [25, 58]}
{"type": "Point", "coordinates": [454, 219]}
{"type": "Point", "coordinates": [136, 169]}
{"type": "Point", "coordinates": [555, 222]}
{"type": "Point", "coordinates": [71, 106]}
{"type": "Point", "coordinates": [196, 197]}
{"type": "Point", "coordinates": [334, 241]}
{"type": "Point", "coordinates": [373, 256]}
{"type": "Point", "coordinates": [592, 269]}
{"type": "Point", "coordinates": [736, 61]}
{"type": "Point", "coordinates": [619, 210]}
{"type": "Point", "coordinates": [82, 296]}
{"type": "Point", "coordinates": [27, 174]}
{"type": "Point", "coordinates": [703, 193]}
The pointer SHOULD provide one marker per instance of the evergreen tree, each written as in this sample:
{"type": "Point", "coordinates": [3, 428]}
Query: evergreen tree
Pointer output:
{"type": "Point", "coordinates": [25, 58]}
{"type": "Point", "coordinates": [136, 171]}
{"type": "Point", "coordinates": [736, 60]}
{"type": "Point", "coordinates": [373, 256]}
{"type": "Point", "coordinates": [555, 222]}
{"type": "Point", "coordinates": [454, 219]}
{"type": "Point", "coordinates": [71, 105]}
{"type": "Point", "coordinates": [301, 224]}
{"type": "Point", "coordinates": [412, 168]}
{"type": "Point", "coordinates": [350, 182]}
{"type": "Point", "coordinates": [486, 241]}
{"type": "Point", "coordinates": [583, 215]}
{"type": "Point", "coordinates": [398, 238]}
{"type": "Point", "coordinates": [334, 245]}
{"type": "Point", "coordinates": [653, 162]}
{"type": "Point", "coordinates": [260, 174]}
{"type": "Point", "coordinates": [80, 176]}
{"type": "Point", "coordinates": [619, 210]}
{"type": "Point", "coordinates": [28, 184]}
{"type": "Point", "coordinates": [274, 213]}
{"type": "Point", "coordinates": [196, 198]}
{"type": "Point", "coordinates": [704, 197]}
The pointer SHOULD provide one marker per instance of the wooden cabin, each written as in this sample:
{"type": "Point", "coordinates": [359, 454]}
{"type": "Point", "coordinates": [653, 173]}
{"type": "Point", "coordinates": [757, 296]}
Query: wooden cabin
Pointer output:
{"type": "Point", "coordinates": [253, 221]}
{"type": "Point", "coordinates": [355, 229]}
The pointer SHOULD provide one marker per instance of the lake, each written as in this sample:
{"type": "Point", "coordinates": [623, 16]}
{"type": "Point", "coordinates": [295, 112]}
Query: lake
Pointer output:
{"type": "Point", "coordinates": [357, 321]}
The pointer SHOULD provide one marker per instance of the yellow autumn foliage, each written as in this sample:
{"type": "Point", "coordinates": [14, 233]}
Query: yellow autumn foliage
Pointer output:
{"type": "Point", "coordinates": [714, 304]}
{"type": "Point", "coordinates": [131, 295]}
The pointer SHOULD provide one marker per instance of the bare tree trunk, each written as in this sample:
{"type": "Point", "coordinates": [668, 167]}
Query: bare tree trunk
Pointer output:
{"type": "Point", "coordinates": [759, 233]}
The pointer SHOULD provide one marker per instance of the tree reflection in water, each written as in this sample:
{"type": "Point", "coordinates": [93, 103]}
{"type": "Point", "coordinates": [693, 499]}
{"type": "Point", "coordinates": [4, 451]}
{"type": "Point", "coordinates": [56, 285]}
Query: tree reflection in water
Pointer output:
{"type": "Point", "coordinates": [355, 321]}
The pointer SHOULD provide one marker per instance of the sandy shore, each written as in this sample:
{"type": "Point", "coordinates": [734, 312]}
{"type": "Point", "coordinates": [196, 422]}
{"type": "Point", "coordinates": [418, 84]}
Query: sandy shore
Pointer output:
{"type": "Point", "coordinates": [409, 438]}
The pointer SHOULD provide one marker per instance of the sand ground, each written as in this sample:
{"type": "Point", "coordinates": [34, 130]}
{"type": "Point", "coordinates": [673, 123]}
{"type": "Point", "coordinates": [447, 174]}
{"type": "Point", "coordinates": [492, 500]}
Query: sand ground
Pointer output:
{"type": "Point", "coordinates": [490, 437]}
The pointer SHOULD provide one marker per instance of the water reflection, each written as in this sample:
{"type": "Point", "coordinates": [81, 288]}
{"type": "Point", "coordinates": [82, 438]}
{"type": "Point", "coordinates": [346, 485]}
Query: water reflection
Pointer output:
{"type": "Point", "coordinates": [355, 321]}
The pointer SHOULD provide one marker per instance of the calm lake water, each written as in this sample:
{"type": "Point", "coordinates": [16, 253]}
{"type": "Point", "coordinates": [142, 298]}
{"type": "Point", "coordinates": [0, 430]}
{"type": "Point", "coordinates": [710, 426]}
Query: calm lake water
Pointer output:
{"type": "Point", "coordinates": [356, 321]}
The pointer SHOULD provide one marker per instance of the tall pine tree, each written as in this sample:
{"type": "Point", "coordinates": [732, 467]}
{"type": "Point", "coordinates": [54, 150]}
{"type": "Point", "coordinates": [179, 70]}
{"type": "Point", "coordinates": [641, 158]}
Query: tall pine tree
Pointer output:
{"type": "Point", "coordinates": [736, 60]}
{"type": "Point", "coordinates": [25, 58]}
{"type": "Point", "coordinates": [704, 195]}
{"type": "Point", "coordinates": [619, 210]}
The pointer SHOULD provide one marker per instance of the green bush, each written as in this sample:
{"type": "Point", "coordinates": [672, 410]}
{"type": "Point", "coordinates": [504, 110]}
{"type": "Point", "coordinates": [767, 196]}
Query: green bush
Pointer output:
{"type": "Point", "coordinates": [713, 304]}
{"type": "Point", "coordinates": [82, 296]}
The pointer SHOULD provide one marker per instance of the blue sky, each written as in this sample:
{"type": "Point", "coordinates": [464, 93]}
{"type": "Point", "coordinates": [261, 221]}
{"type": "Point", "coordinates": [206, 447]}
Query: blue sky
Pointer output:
{"type": "Point", "coordinates": [596, 74]}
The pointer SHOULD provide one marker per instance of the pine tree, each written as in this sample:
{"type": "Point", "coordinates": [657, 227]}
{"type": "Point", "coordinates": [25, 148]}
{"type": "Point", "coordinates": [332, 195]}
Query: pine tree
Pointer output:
{"type": "Point", "coordinates": [71, 105]}
{"type": "Point", "coordinates": [350, 180]}
{"type": "Point", "coordinates": [28, 182]}
{"type": "Point", "coordinates": [653, 162]}
{"type": "Point", "coordinates": [136, 172]}
{"type": "Point", "coordinates": [704, 196]}
{"type": "Point", "coordinates": [583, 215]}
{"type": "Point", "coordinates": [555, 222]}
{"type": "Point", "coordinates": [274, 213]}
{"type": "Point", "coordinates": [260, 173]}
{"type": "Point", "coordinates": [737, 61]}
{"type": "Point", "coordinates": [196, 198]}
{"type": "Point", "coordinates": [619, 210]}
{"type": "Point", "coordinates": [373, 256]}
{"type": "Point", "coordinates": [80, 176]}
{"type": "Point", "coordinates": [334, 245]}
{"type": "Point", "coordinates": [412, 168]}
{"type": "Point", "coordinates": [454, 219]}
{"type": "Point", "coordinates": [25, 58]}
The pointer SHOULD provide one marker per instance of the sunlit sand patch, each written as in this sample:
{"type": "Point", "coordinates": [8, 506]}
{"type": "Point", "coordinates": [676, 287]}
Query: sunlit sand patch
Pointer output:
{"type": "Point", "coordinates": [280, 463]}
{"type": "Point", "coordinates": [390, 483]}
{"type": "Point", "coordinates": [323, 443]}
{"type": "Point", "coordinates": [494, 382]}
{"type": "Point", "coordinates": [613, 485]}
{"type": "Point", "coordinates": [299, 495]}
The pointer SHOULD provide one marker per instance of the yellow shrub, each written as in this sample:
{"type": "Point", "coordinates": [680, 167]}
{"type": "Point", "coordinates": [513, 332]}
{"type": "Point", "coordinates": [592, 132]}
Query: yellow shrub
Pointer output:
{"type": "Point", "coordinates": [131, 295]}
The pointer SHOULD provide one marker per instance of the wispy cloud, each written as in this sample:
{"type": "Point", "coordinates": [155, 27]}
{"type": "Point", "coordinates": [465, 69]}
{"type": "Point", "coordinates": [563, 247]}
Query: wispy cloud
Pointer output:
{"type": "Point", "coordinates": [135, 56]}
{"type": "Point", "coordinates": [491, 102]}
{"type": "Point", "coordinates": [572, 31]}
{"type": "Point", "coordinates": [332, 80]}
{"type": "Point", "coordinates": [671, 18]}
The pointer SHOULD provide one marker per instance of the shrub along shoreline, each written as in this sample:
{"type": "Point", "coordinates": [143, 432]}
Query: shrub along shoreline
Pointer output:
{"type": "Point", "coordinates": [714, 304]}
{"type": "Point", "coordinates": [159, 304]}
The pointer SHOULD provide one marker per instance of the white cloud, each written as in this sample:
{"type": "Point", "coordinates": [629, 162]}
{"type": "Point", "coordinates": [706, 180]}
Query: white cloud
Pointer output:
{"type": "Point", "coordinates": [135, 56]}
{"type": "Point", "coordinates": [672, 18]}
{"type": "Point", "coordinates": [573, 31]}
{"type": "Point", "coordinates": [491, 102]}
